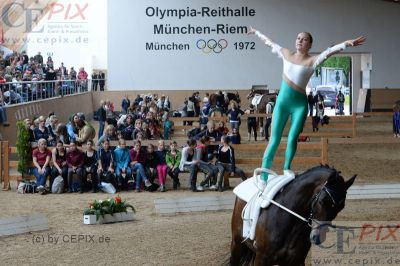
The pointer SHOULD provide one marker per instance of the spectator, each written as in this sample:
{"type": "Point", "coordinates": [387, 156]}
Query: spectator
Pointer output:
{"type": "Point", "coordinates": [173, 159]}
{"type": "Point", "coordinates": [39, 58]}
{"type": "Point", "coordinates": [72, 127]}
{"type": "Point", "coordinates": [138, 129]}
{"type": "Point", "coordinates": [310, 100]}
{"type": "Point", "coordinates": [151, 162]}
{"type": "Point", "coordinates": [41, 160]}
{"type": "Point", "coordinates": [340, 102]}
{"type": "Point", "coordinates": [86, 130]}
{"type": "Point", "coordinates": [222, 129]}
{"type": "Point", "coordinates": [190, 164]}
{"type": "Point", "coordinates": [269, 109]}
{"type": "Point", "coordinates": [125, 104]}
{"type": "Point", "coordinates": [204, 165]}
{"type": "Point", "coordinates": [109, 134]}
{"type": "Point", "coordinates": [234, 137]}
{"type": "Point", "coordinates": [42, 132]}
{"type": "Point", "coordinates": [209, 131]}
{"type": "Point", "coordinates": [105, 170]}
{"type": "Point", "coordinates": [251, 123]}
{"type": "Point", "coordinates": [60, 166]}
{"type": "Point", "coordinates": [122, 169]}
{"type": "Point", "coordinates": [234, 114]}
{"type": "Point", "coordinates": [102, 80]}
{"type": "Point", "coordinates": [95, 81]}
{"type": "Point", "coordinates": [90, 166]}
{"type": "Point", "coordinates": [102, 116]}
{"type": "Point", "coordinates": [226, 162]}
{"type": "Point", "coordinates": [29, 126]}
{"type": "Point", "coordinates": [190, 108]}
{"type": "Point", "coordinates": [396, 120]}
{"type": "Point", "coordinates": [167, 126]}
{"type": "Point", "coordinates": [162, 167]}
{"type": "Point", "coordinates": [127, 128]}
{"type": "Point", "coordinates": [75, 164]}
{"type": "Point", "coordinates": [82, 79]}
{"type": "Point", "coordinates": [138, 159]}
{"type": "Point", "coordinates": [163, 103]}
{"type": "Point", "coordinates": [61, 134]}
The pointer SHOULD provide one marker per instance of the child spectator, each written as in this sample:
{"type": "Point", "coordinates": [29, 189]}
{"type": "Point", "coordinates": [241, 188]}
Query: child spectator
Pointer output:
{"type": "Point", "coordinates": [105, 170]}
{"type": "Point", "coordinates": [234, 114]}
{"type": "Point", "coordinates": [109, 135]}
{"type": "Point", "coordinates": [234, 137]}
{"type": "Point", "coordinates": [138, 159]}
{"type": "Point", "coordinates": [162, 167]}
{"type": "Point", "coordinates": [90, 166]}
{"type": "Point", "coordinates": [122, 169]}
{"type": "Point", "coordinates": [202, 155]}
{"type": "Point", "coordinates": [222, 129]}
{"type": "Point", "coordinates": [151, 162]}
{"type": "Point", "coordinates": [62, 134]}
{"type": "Point", "coordinates": [173, 159]}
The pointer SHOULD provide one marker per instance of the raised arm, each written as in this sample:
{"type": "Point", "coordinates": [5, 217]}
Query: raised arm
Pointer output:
{"type": "Point", "coordinates": [319, 59]}
{"type": "Point", "coordinates": [276, 48]}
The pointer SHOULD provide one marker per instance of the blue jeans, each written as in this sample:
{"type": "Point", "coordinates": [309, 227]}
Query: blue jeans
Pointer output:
{"type": "Point", "coordinates": [41, 179]}
{"type": "Point", "coordinates": [101, 128]}
{"type": "Point", "coordinates": [140, 174]}
{"type": "Point", "coordinates": [118, 171]}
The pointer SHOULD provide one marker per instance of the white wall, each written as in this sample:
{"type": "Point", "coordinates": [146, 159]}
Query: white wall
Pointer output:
{"type": "Point", "coordinates": [87, 48]}
{"type": "Point", "coordinates": [132, 67]}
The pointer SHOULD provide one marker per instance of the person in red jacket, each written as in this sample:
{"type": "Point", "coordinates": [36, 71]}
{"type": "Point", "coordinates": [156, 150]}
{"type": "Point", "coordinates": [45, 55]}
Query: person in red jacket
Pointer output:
{"type": "Point", "coordinates": [75, 163]}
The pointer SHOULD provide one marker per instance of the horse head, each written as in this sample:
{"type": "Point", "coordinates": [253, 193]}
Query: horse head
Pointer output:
{"type": "Point", "coordinates": [326, 203]}
{"type": "Point", "coordinates": [251, 94]}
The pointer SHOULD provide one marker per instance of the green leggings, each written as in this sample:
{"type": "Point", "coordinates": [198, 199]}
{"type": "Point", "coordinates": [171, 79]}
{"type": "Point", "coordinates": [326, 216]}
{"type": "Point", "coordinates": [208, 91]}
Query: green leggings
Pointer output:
{"type": "Point", "coordinates": [289, 103]}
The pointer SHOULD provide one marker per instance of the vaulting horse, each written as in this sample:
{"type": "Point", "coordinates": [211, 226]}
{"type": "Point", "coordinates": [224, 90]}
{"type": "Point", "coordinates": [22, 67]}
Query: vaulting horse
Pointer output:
{"type": "Point", "coordinates": [260, 98]}
{"type": "Point", "coordinates": [281, 238]}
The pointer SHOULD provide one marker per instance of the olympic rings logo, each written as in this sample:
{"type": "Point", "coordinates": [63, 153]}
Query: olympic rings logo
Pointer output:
{"type": "Point", "coordinates": [212, 45]}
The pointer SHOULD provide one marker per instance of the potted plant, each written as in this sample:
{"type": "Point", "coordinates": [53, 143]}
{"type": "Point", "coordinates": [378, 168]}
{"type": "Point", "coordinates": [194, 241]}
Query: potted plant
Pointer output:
{"type": "Point", "coordinates": [24, 149]}
{"type": "Point", "coordinates": [108, 211]}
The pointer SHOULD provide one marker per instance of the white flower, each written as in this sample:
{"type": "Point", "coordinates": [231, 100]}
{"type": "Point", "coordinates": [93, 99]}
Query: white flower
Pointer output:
{"type": "Point", "coordinates": [100, 201]}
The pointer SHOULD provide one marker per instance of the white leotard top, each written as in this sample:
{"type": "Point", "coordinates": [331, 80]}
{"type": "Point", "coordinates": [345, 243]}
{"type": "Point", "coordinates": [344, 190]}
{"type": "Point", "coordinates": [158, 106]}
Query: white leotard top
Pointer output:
{"type": "Point", "coordinates": [299, 74]}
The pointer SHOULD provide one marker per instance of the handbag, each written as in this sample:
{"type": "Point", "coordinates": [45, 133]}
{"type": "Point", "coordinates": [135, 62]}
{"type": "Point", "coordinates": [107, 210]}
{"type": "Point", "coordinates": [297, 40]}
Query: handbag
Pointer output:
{"type": "Point", "coordinates": [30, 187]}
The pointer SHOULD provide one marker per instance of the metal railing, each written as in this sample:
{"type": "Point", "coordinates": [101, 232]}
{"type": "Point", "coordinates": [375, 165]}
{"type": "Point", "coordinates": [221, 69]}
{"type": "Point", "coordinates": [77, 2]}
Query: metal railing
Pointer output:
{"type": "Point", "coordinates": [27, 91]}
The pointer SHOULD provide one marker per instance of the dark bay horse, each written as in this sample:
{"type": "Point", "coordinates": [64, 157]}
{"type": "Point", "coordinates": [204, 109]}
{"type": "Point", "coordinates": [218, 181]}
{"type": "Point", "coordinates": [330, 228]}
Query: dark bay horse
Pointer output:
{"type": "Point", "coordinates": [223, 99]}
{"type": "Point", "coordinates": [281, 238]}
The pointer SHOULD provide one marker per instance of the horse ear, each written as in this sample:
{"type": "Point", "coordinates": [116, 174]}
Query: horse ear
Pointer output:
{"type": "Point", "coordinates": [350, 182]}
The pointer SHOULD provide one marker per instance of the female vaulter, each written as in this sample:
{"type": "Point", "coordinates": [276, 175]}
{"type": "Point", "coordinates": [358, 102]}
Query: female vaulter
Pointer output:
{"type": "Point", "coordinates": [298, 68]}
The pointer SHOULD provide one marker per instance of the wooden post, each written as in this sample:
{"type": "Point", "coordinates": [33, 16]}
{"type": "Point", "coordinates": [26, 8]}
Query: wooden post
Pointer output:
{"type": "Point", "coordinates": [6, 170]}
{"type": "Point", "coordinates": [354, 122]}
{"type": "Point", "coordinates": [324, 151]}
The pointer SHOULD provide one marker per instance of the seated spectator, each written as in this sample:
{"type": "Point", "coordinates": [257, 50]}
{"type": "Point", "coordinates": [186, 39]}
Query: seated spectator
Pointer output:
{"type": "Point", "coordinates": [61, 134]}
{"type": "Point", "coordinates": [226, 162]}
{"type": "Point", "coordinates": [138, 159]}
{"type": "Point", "coordinates": [162, 168]}
{"type": "Point", "coordinates": [210, 131]}
{"type": "Point", "coordinates": [29, 126]}
{"type": "Point", "coordinates": [163, 103]}
{"type": "Point", "coordinates": [190, 164]}
{"type": "Point", "coordinates": [151, 162]}
{"type": "Point", "coordinates": [75, 164]}
{"type": "Point", "coordinates": [72, 127]}
{"type": "Point", "coordinates": [122, 170]}
{"type": "Point", "coordinates": [105, 164]}
{"type": "Point", "coordinates": [90, 166]}
{"type": "Point", "coordinates": [173, 160]}
{"type": "Point", "coordinates": [221, 128]}
{"type": "Point", "coordinates": [146, 133]}
{"type": "Point", "coordinates": [138, 129]}
{"type": "Point", "coordinates": [109, 134]}
{"type": "Point", "coordinates": [86, 131]}
{"type": "Point", "coordinates": [60, 166]}
{"type": "Point", "coordinates": [234, 137]}
{"type": "Point", "coordinates": [52, 126]}
{"type": "Point", "coordinates": [202, 155]}
{"type": "Point", "coordinates": [41, 160]}
{"type": "Point", "coordinates": [42, 132]}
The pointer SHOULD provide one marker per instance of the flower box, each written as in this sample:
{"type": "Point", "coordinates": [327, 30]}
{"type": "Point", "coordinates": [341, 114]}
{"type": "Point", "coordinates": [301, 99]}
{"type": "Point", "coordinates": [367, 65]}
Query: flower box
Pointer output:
{"type": "Point", "coordinates": [108, 218]}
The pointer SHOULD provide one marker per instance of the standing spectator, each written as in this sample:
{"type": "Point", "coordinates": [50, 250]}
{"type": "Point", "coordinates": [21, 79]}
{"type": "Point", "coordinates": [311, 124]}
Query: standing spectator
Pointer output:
{"type": "Point", "coordinates": [138, 159]}
{"type": "Point", "coordinates": [75, 164]}
{"type": "Point", "coordinates": [3, 115]}
{"type": "Point", "coordinates": [102, 80]}
{"type": "Point", "coordinates": [340, 102]}
{"type": "Point", "coordinates": [310, 100]}
{"type": "Point", "coordinates": [41, 160]}
{"type": "Point", "coordinates": [102, 116]}
{"type": "Point", "coordinates": [234, 114]}
{"type": "Point", "coordinates": [125, 104]}
{"type": "Point", "coordinates": [269, 109]}
{"type": "Point", "coordinates": [251, 123]}
{"type": "Point", "coordinates": [90, 166]}
{"type": "Point", "coordinates": [197, 101]}
{"type": "Point", "coordinates": [122, 169]}
{"type": "Point", "coordinates": [226, 162]}
{"type": "Point", "coordinates": [173, 159]}
{"type": "Point", "coordinates": [39, 58]}
{"type": "Point", "coordinates": [95, 81]}
{"type": "Point", "coordinates": [60, 166]}
{"type": "Point", "coordinates": [82, 79]}
{"type": "Point", "coordinates": [162, 167]}
{"type": "Point", "coordinates": [190, 109]}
